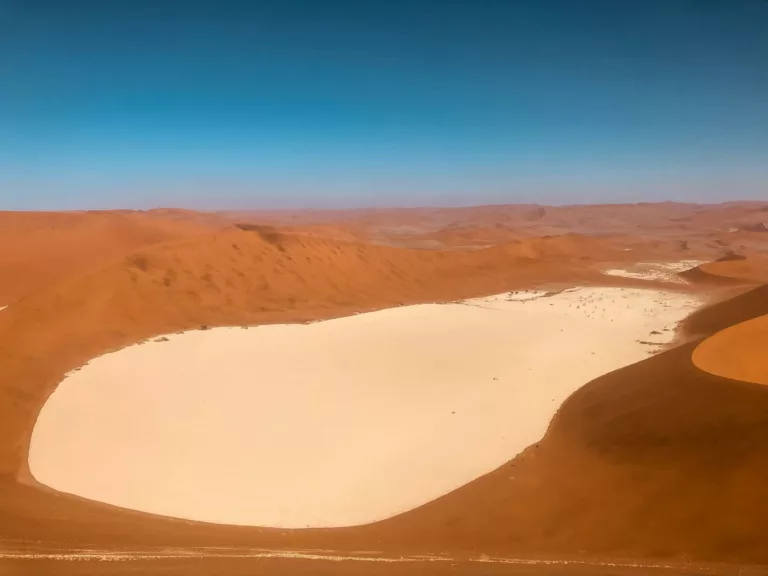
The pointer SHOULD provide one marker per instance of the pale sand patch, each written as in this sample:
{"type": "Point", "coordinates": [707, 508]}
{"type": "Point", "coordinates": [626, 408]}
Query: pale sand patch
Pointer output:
{"type": "Point", "coordinates": [341, 422]}
{"type": "Point", "coordinates": [660, 271]}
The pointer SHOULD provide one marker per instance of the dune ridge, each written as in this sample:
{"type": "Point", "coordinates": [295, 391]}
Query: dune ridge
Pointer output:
{"type": "Point", "coordinates": [737, 352]}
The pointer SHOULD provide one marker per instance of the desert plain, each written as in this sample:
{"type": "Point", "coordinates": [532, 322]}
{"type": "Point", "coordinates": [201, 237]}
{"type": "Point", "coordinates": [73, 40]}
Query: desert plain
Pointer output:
{"type": "Point", "coordinates": [520, 389]}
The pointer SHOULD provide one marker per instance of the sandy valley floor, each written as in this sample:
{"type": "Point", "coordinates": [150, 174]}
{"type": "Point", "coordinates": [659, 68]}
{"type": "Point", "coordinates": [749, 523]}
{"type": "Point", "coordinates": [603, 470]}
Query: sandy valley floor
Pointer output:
{"type": "Point", "coordinates": [290, 425]}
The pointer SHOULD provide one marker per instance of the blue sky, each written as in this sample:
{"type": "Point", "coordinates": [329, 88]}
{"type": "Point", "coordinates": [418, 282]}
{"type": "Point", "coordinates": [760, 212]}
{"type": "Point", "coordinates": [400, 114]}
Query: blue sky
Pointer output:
{"type": "Point", "coordinates": [356, 103]}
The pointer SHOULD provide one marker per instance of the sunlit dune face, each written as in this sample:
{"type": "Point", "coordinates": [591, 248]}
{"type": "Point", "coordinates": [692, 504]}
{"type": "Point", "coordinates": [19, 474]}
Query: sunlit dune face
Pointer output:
{"type": "Point", "coordinates": [738, 352]}
{"type": "Point", "coordinates": [341, 422]}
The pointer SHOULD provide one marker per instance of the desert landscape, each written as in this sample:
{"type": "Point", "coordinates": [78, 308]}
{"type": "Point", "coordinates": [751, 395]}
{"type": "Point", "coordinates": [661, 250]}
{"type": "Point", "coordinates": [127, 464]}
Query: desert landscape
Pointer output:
{"type": "Point", "coordinates": [309, 389]}
{"type": "Point", "coordinates": [383, 288]}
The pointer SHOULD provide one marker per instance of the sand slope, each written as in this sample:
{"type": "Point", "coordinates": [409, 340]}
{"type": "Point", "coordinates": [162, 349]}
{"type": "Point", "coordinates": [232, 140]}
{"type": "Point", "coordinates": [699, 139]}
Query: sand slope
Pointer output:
{"type": "Point", "coordinates": [738, 352]}
{"type": "Point", "coordinates": [38, 248]}
{"type": "Point", "coordinates": [753, 269]}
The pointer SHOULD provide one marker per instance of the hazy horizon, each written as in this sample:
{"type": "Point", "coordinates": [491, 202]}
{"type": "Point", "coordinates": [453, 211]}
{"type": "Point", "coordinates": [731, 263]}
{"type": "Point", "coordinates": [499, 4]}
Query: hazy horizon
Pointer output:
{"type": "Point", "coordinates": [338, 104]}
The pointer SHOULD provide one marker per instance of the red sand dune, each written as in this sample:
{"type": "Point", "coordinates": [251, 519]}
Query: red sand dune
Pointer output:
{"type": "Point", "coordinates": [732, 269]}
{"type": "Point", "coordinates": [37, 248]}
{"type": "Point", "coordinates": [739, 352]}
{"type": "Point", "coordinates": [659, 459]}
{"type": "Point", "coordinates": [753, 269]}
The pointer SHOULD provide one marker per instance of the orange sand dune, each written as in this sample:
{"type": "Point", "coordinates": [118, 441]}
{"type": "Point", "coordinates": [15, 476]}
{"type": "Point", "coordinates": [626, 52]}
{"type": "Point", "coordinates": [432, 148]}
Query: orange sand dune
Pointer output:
{"type": "Point", "coordinates": [730, 270]}
{"type": "Point", "coordinates": [37, 248]}
{"type": "Point", "coordinates": [753, 269]}
{"type": "Point", "coordinates": [739, 352]}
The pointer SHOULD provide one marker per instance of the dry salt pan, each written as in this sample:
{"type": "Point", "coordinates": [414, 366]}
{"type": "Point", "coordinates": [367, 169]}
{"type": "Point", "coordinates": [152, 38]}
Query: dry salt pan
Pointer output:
{"type": "Point", "coordinates": [341, 422]}
{"type": "Point", "coordinates": [659, 271]}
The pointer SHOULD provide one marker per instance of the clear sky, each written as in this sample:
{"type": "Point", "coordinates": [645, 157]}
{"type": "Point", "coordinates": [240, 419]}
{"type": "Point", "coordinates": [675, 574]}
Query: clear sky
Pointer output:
{"type": "Point", "coordinates": [135, 103]}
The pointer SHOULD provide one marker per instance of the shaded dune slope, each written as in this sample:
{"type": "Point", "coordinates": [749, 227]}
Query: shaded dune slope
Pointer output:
{"type": "Point", "coordinates": [656, 459]}
{"type": "Point", "coordinates": [725, 313]}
